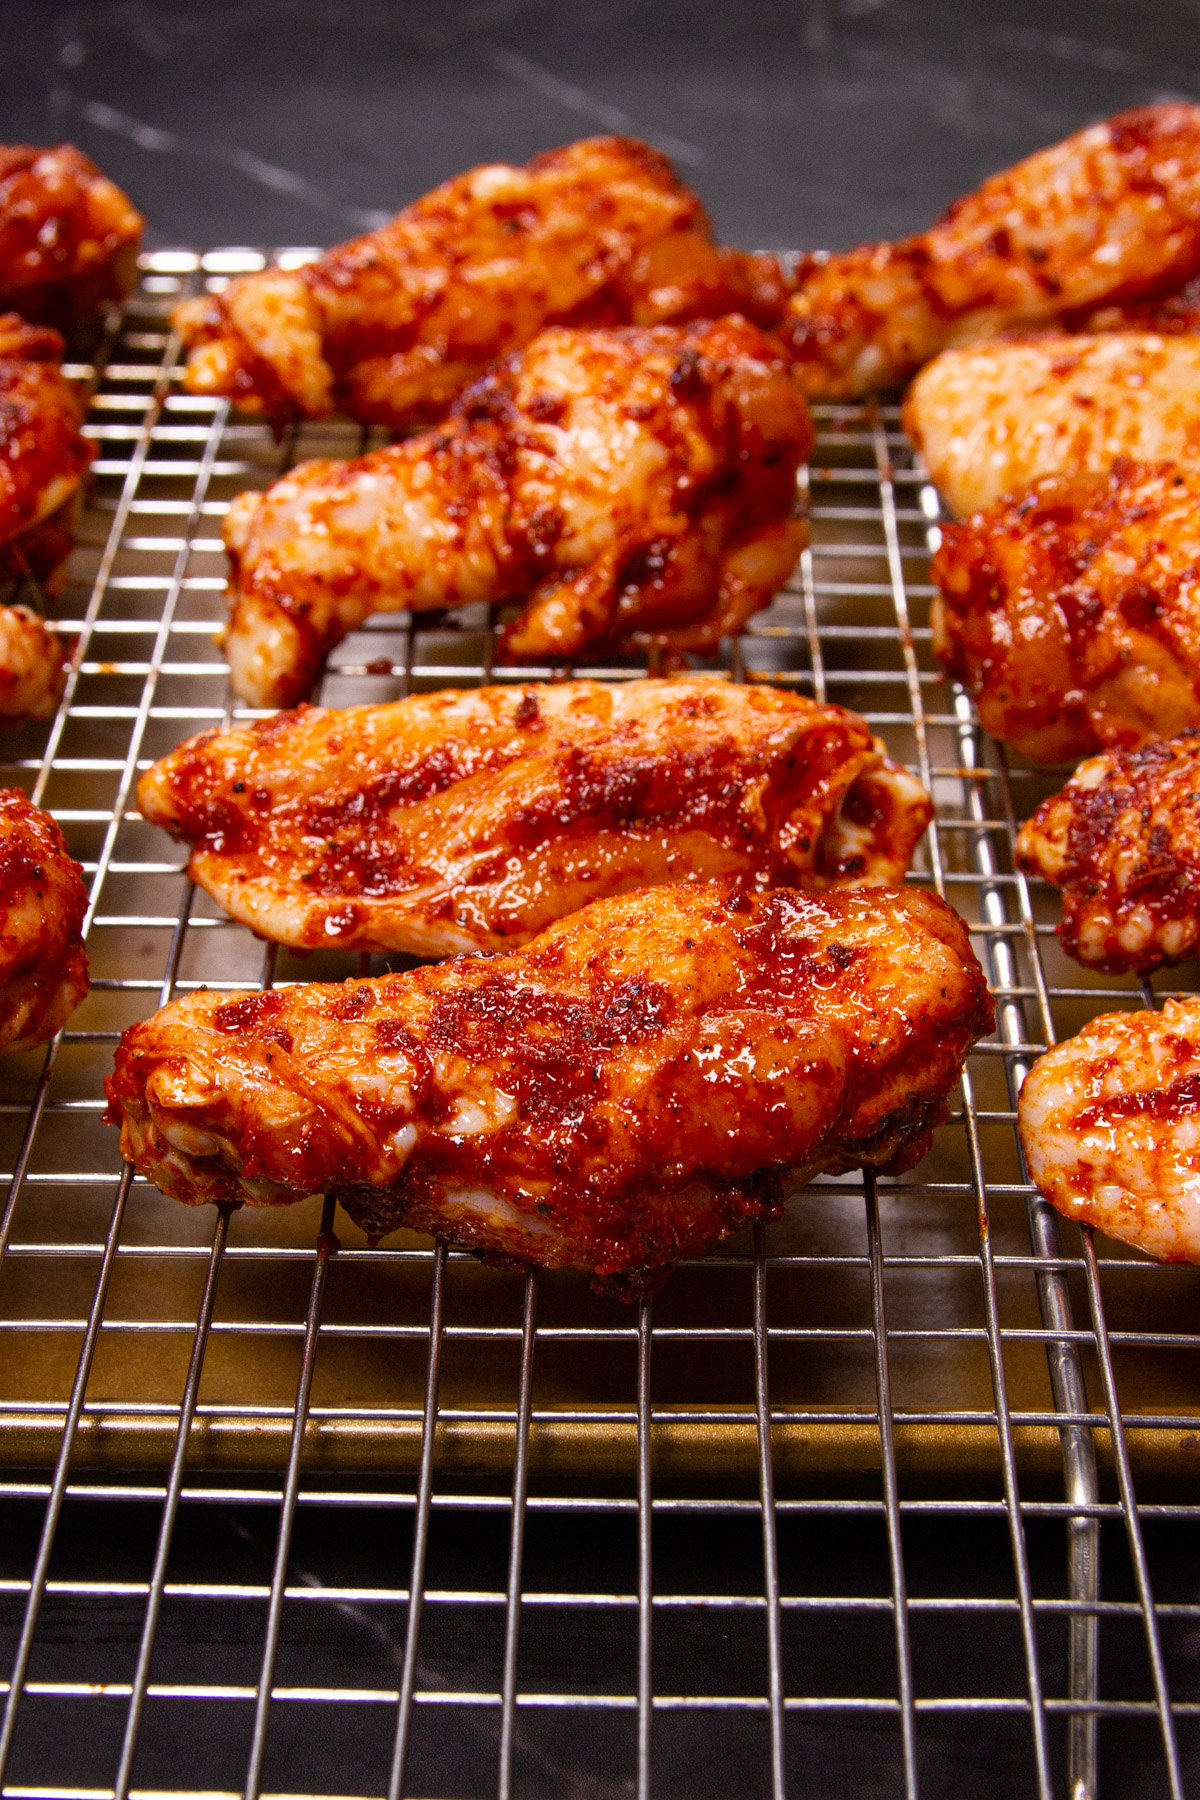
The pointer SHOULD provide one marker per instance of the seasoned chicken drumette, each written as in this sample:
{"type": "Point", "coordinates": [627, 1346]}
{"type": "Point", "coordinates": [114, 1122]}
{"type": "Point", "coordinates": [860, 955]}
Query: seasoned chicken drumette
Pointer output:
{"type": "Point", "coordinates": [637, 485]}
{"type": "Point", "coordinates": [1108, 215]}
{"type": "Point", "coordinates": [991, 419]}
{"type": "Point", "coordinates": [391, 326]}
{"type": "Point", "coordinates": [1110, 1126]}
{"type": "Point", "coordinates": [43, 454]}
{"type": "Point", "coordinates": [43, 968]}
{"type": "Point", "coordinates": [636, 1083]}
{"type": "Point", "coordinates": [43, 458]}
{"type": "Point", "coordinates": [1122, 841]}
{"type": "Point", "coordinates": [1072, 611]}
{"type": "Point", "coordinates": [1169, 314]}
{"type": "Point", "coordinates": [470, 820]}
{"type": "Point", "coordinates": [68, 236]}
{"type": "Point", "coordinates": [33, 668]}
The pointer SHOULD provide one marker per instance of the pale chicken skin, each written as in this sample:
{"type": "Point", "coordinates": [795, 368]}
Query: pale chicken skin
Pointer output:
{"type": "Point", "coordinates": [391, 326]}
{"type": "Point", "coordinates": [992, 419]}
{"type": "Point", "coordinates": [634, 486]}
{"type": "Point", "coordinates": [43, 966]}
{"type": "Point", "coordinates": [33, 665]}
{"type": "Point", "coordinates": [1072, 611]}
{"type": "Point", "coordinates": [1122, 841]}
{"type": "Point", "coordinates": [1165, 313]}
{"type": "Point", "coordinates": [68, 236]}
{"type": "Point", "coordinates": [1110, 1125]}
{"type": "Point", "coordinates": [459, 821]}
{"type": "Point", "coordinates": [43, 455]}
{"type": "Point", "coordinates": [1108, 215]}
{"type": "Point", "coordinates": [636, 1083]}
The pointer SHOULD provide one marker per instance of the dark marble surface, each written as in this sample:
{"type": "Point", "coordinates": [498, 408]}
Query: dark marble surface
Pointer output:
{"type": "Point", "coordinates": [300, 121]}
{"type": "Point", "coordinates": [816, 122]}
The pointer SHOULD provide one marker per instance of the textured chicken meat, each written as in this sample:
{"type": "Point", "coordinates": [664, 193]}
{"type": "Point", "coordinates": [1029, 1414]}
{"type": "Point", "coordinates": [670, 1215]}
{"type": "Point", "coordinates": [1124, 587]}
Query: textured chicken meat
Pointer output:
{"type": "Point", "coordinates": [1107, 216]}
{"type": "Point", "coordinates": [43, 455]}
{"type": "Point", "coordinates": [638, 486]}
{"type": "Point", "coordinates": [470, 820]}
{"type": "Point", "coordinates": [33, 669]}
{"type": "Point", "coordinates": [68, 236]}
{"type": "Point", "coordinates": [391, 326]}
{"type": "Point", "coordinates": [43, 968]}
{"type": "Point", "coordinates": [636, 1083]}
{"type": "Point", "coordinates": [992, 419]}
{"type": "Point", "coordinates": [1122, 841]}
{"type": "Point", "coordinates": [1110, 1126]}
{"type": "Point", "coordinates": [1072, 611]}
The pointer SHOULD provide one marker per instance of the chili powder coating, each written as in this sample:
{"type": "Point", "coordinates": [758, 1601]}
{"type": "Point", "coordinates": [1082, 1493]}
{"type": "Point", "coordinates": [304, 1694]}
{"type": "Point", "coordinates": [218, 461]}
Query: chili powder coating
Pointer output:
{"type": "Point", "coordinates": [1110, 1125]}
{"type": "Point", "coordinates": [1082, 232]}
{"type": "Point", "coordinates": [469, 820]}
{"type": "Point", "coordinates": [631, 487]}
{"type": "Point", "coordinates": [68, 236]}
{"type": "Point", "coordinates": [391, 326]}
{"type": "Point", "coordinates": [43, 454]}
{"type": "Point", "coordinates": [640, 1081]}
{"type": "Point", "coordinates": [1070, 609]}
{"type": "Point", "coordinates": [991, 419]}
{"type": "Point", "coordinates": [1122, 841]}
{"type": "Point", "coordinates": [43, 967]}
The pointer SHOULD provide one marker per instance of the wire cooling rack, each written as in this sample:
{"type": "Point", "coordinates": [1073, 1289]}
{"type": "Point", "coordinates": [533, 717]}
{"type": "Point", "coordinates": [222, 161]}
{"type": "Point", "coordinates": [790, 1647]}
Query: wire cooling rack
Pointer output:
{"type": "Point", "coordinates": [894, 1496]}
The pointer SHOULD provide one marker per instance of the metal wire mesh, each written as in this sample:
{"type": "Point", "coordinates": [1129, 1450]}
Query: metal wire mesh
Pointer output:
{"type": "Point", "coordinates": [290, 1514]}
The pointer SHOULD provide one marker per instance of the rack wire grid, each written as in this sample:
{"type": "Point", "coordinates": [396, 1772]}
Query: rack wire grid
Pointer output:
{"type": "Point", "coordinates": [849, 1506]}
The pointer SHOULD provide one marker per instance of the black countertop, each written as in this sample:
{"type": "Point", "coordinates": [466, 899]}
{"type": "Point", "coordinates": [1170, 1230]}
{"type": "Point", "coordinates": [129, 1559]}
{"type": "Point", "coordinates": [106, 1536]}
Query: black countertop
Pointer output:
{"type": "Point", "coordinates": [815, 123]}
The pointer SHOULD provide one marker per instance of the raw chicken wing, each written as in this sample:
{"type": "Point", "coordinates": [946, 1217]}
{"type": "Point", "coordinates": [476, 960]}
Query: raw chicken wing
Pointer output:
{"type": "Point", "coordinates": [991, 419]}
{"type": "Point", "coordinates": [1109, 215]}
{"type": "Point", "coordinates": [637, 1082]}
{"type": "Point", "coordinates": [390, 327]}
{"type": "Point", "coordinates": [470, 820]}
{"type": "Point", "coordinates": [43, 968]}
{"type": "Point", "coordinates": [68, 237]}
{"type": "Point", "coordinates": [637, 485]}
{"type": "Point", "coordinates": [1072, 612]}
{"type": "Point", "coordinates": [1122, 841]}
{"type": "Point", "coordinates": [1110, 1126]}
{"type": "Point", "coordinates": [43, 455]}
{"type": "Point", "coordinates": [33, 668]}
{"type": "Point", "coordinates": [1166, 313]}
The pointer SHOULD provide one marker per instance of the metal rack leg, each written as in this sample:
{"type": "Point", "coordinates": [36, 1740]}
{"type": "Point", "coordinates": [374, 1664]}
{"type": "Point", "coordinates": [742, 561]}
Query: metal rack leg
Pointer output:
{"type": "Point", "coordinates": [770, 1523]}
{"type": "Point", "coordinates": [1008, 1460]}
{"type": "Point", "coordinates": [891, 1497]}
{"type": "Point", "coordinates": [1068, 1388]}
{"type": "Point", "coordinates": [516, 1542]}
{"type": "Point", "coordinates": [327, 1244]}
{"type": "Point", "coordinates": [416, 1579]}
{"type": "Point", "coordinates": [158, 1577]}
{"type": "Point", "coordinates": [645, 1671]}
{"type": "Point", "coordinates": [1133, 1528]}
